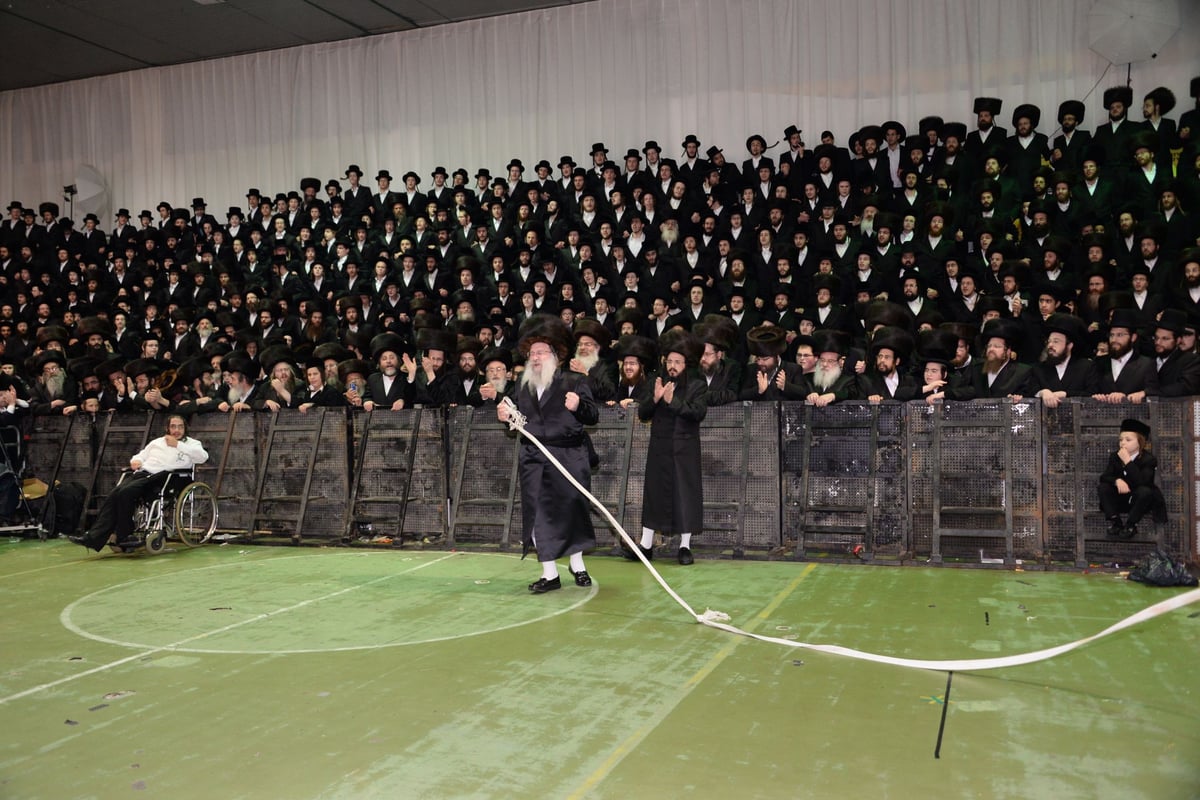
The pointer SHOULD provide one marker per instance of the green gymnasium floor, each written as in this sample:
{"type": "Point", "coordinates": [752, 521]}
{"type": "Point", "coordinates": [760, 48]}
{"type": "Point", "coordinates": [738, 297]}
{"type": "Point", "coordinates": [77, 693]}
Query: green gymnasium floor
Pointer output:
{"type": "Point", "coordinates": [256, 672]}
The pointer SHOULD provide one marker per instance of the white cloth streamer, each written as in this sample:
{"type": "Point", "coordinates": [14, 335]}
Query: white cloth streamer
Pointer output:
{"type": "Point", "coordinates": [719, 620]}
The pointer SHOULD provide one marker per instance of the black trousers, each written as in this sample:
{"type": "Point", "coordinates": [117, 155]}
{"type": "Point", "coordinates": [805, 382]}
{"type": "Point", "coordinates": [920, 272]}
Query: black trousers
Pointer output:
{"type": "Point", "coordinates": [1138, 503]}
{"type": "Point", "coordinates": [116, 512]}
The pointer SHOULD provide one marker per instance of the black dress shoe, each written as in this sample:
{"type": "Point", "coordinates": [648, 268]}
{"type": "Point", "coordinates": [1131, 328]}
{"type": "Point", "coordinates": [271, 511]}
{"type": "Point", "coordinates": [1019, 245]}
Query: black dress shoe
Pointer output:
{"type": "Point", "coordinates": [80, 540]}
{"type": "Point", "coordinates": [541, 585]}
{"type": "Point", "coordinates": [582, 578]}
{"type": "Point", "coordinates": [1129, 532]}
{"type": "Point", "coordinates": [1116, 528]}
{"type": "Point", "coordinates": [685, 556]}
{"type": "Point", "coordinates": [648, 552]}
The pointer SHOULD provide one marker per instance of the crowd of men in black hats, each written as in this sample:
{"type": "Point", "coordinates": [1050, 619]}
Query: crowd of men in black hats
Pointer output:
{"type": "Point", "coordinates": [948, 264]}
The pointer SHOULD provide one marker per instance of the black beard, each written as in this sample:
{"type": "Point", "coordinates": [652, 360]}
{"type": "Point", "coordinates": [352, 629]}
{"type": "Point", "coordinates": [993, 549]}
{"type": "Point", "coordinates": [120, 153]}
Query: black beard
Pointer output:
{"type": "Point", "coordinates": [1117, 351]}
{"type": "Point", "coordinates": [1054, 361]}
{"type": "Point", "coordinates": [1192, 281]}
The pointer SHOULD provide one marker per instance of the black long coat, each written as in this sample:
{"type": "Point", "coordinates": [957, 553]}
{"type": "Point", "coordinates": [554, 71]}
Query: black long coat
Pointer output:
{"type": "Point", "coordinates": [555, 516]}
{"type": "Point", "coordinates": [673, 494]}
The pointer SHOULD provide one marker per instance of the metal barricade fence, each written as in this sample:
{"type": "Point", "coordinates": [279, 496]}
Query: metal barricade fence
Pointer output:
{"type": "Point", "coordinates": [985, 481]}
{"type": "Point", "coordinates": [844, 480]}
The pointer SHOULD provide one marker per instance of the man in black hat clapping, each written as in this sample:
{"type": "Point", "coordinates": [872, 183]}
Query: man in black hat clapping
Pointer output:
{"type": "Point", "coordinates": [674, 405]}
{"type": "Point", "coordinates": [771, 378]}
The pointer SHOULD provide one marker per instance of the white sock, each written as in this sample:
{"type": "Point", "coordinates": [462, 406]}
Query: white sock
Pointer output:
{"type": "Point", "coordinates": [647, 538]}
{"type": "Point", "coordinates": [549, 570]}
{"type": "Point", "coordinates": [685, 540]}
{"type": "Point", "coordinates": [577, 563]}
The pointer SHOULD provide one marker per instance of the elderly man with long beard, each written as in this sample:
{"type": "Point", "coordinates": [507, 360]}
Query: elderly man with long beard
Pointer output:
{"type": "Point", "coordinates": [556, 520]}
{"type": "Point", "coordinates": [591, 340]}
{"type": "Point", "coordinates": [828, 383]}
{"type": "Point", "coordinates": [497, 364]}
{"type": "Point", "coordinates": [54, 390]}
{"type": "Point", "coordinates": [674, 405]}
{"type": "Point", "coordinates": [240, 373]}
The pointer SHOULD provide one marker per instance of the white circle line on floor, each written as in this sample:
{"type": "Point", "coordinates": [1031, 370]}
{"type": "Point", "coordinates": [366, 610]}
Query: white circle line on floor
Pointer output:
{"type": "Point", "coordinates": [179, 647]}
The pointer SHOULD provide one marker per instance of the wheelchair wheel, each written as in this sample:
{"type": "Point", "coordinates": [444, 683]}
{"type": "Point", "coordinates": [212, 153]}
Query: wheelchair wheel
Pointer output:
{"type": "Point", "coordinates": [195, 514]}
{"type": "Point", "coordinates": [156, 541]}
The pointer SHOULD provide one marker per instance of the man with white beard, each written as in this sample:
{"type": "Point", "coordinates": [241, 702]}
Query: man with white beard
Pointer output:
{"type": "Point", "coordinates": [497, 364]}
{"type": "Point", "coordinates": [388, 389]}
{"type": "Point", "coordinates": [54, 390]}
{"type": "Point", "coordinates": [556, 519]}
{"type": "Point", "coordinates": [591, 340]}
{"type": "Point", "coordinates": [828, 383]}
{"type": "Point", "coordinates": [240, 373]}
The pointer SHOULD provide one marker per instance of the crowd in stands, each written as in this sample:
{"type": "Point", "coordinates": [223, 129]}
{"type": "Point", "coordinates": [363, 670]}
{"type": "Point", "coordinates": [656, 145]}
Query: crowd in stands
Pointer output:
{"type": "Point", "coordinates": [946, 264]}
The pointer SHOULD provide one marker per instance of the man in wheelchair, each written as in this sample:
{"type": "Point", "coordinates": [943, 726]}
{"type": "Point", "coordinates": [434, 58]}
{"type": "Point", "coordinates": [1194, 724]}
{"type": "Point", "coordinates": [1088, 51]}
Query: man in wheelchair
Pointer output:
{"type": "Point", "coordinates": [151, 469]}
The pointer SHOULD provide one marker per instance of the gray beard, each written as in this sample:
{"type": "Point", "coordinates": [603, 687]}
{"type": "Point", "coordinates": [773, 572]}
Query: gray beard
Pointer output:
{"type": "Point", "coordinates": [824, 379]}
{"type": "Point", "coordinates": [588, 361]}
{"type": "Point", "coordinates": [236, 393]}
{"type": "Point", "coordinates": [499, 384]}
{"type": "Point", "coordinates": [54, 386]}
{"type": "Point", "coordinates": [539, 380]}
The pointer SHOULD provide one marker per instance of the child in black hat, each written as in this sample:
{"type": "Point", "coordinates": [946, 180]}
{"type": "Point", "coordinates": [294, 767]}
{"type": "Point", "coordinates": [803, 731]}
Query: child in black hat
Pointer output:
{"type": "Point", "coordinates": [1127, 484]}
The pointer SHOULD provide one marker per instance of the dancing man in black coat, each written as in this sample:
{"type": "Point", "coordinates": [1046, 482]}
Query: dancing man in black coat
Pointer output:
{"type": "Point", "coordinates": [556, 520]}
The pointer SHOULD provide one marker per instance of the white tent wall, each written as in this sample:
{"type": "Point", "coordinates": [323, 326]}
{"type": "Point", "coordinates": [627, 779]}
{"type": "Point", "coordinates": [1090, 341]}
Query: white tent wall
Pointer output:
{"type": "Point", "coordinates": [547, 83]}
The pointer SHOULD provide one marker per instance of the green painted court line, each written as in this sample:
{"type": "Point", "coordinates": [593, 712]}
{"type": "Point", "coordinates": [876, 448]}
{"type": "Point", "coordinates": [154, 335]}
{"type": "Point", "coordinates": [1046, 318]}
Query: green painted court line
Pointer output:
{"type": "Point", "coordinates": [635, 738]}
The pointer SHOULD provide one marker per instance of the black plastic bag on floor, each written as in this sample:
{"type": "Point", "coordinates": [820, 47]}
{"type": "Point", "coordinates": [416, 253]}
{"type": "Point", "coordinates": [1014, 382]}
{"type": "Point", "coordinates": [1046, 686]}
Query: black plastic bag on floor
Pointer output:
{"type": "Point", "coordinates": [1159, 569]}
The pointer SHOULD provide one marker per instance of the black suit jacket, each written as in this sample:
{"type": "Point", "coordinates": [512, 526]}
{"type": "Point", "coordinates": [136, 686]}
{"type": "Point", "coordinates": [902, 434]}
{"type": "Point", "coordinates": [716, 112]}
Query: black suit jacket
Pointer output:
{"type": "Point", "coordinates": [871, 383]}
{"type": "Point", "coordinates": [1072, 154]}
{"type": "Point", "coordinates": [792, 387]}
{"type": "Point", "coordinates": [1014, 378]}
{"type": "Point", "coordinates": [1140, 374]}
{"type": "Point", "coordinates": [726, 383]}
{"type": "Point", "coordinates": [1179, 376]}
{"type": "Point", "coordinates": [1077, 380]}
